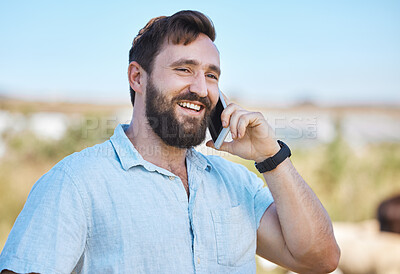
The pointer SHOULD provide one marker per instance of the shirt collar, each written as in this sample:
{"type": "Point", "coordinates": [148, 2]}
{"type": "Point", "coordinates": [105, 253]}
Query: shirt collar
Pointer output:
{"type": "Point", "coordinates": [198, 159]}
{"type": "Point", "coordinates": [125, 150]}
{"type": "Point", "coordinates": [130, 157]}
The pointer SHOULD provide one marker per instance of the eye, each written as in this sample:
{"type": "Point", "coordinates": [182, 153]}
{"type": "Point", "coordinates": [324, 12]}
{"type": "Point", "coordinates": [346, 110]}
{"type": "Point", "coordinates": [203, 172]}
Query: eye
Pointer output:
{"type": "Point", "coordinates": [212, 76]}
{"type": "Point", "coordinates": [183, 70]}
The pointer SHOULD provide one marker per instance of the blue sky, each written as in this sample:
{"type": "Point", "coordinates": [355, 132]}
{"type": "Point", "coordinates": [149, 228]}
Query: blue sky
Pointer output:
{"type": "Point", "coordinates": [333, 51]}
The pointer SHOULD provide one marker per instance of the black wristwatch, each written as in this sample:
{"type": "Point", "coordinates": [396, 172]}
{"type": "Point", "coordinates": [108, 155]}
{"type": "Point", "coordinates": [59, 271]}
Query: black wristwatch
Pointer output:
{"type": "Point", "coordinates": [272, 162]}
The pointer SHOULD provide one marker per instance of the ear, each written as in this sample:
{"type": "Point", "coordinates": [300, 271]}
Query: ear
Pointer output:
{"type": "Point", "coordinates": [136, 76]}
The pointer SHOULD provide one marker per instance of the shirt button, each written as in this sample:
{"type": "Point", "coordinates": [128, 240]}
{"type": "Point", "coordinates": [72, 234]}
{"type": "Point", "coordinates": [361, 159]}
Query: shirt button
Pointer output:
{"type": "Point", "coordinates": [171, 178]}
{"type": "Point", "coordinates": [198, 260]}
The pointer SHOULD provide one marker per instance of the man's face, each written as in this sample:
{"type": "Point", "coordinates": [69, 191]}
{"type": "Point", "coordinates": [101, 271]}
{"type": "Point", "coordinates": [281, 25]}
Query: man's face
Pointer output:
{"type": "Point", "coordinates": [181, 91]}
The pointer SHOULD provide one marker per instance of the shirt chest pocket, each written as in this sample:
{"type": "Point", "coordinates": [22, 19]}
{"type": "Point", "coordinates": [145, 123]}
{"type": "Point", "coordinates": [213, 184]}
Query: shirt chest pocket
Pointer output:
{"type": "Point", "coordinates": [235, 234]}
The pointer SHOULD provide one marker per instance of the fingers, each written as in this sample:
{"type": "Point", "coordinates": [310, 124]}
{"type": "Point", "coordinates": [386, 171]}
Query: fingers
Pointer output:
{"type": "Point", "coordinates": [227, 113]}
{"type": "Point", "coordinates": [243, 121]}
{"type": "Point", "coordinates": [239, 119]}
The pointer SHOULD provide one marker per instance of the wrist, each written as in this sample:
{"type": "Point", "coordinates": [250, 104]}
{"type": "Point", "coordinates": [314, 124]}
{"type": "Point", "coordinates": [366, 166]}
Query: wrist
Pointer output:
{"type": "Point", "coordinates": [270, 153]}
{"type": "Point", "coordinates": [272, 162]}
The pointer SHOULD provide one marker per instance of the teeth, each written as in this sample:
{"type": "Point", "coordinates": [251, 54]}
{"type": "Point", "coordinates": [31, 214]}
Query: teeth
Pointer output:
{"type": "Point", "coordinates": [190, 105]}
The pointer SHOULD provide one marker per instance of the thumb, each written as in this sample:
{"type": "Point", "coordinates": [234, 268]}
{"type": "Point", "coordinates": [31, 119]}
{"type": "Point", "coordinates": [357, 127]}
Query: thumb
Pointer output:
{"type": "Point", "coordinates": [210, 143]}
{"type": "Point", "coordinates": [226, 146]}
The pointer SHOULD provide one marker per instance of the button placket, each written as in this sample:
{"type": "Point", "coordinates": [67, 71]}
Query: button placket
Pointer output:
{"type": "Point", "coordinates": [193, 221]}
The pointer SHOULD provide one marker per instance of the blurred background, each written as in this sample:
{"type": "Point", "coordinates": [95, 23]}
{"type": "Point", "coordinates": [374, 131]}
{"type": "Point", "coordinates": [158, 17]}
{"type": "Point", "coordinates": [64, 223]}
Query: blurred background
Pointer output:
{"type": "Point", "coordinates": [326, 74]}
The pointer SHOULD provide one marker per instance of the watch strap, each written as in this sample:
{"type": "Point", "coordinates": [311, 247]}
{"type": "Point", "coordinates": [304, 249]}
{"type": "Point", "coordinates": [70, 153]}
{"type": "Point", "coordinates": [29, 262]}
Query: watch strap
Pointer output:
{"type": "Point", "coordinates": [272, 162]}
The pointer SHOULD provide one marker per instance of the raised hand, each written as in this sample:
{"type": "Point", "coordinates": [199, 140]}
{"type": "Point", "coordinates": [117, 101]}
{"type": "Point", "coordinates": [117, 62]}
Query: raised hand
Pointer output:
{"type": "Point", "coordinates": [253, 137]}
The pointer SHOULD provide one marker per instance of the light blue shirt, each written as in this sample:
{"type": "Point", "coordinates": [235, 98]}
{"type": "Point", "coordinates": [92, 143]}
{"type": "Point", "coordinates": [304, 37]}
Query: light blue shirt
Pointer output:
{"type": "Point", "coordinates": [107, 210]}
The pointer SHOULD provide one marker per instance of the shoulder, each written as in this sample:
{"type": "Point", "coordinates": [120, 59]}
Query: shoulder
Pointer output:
{"type": "Point", "coordinates": [89, 159]}
{"type": "Point", "coordinates": [74, 175]}
{"type": "Point", "coordinates": [79, 169]}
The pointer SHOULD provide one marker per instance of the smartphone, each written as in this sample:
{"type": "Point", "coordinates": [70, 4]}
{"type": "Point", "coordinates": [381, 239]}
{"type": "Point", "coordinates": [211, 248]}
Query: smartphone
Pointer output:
{"type": "Point", "coordinates": [218, 133]}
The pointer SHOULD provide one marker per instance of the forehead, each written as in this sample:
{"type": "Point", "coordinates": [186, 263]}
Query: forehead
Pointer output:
{"type": "Point", "coordinates": [203, 50]}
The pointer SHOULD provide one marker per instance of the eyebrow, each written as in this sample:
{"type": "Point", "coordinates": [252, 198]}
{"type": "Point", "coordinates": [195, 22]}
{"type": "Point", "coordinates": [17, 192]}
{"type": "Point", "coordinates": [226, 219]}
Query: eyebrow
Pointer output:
{"type": "Point", "coordinates": [192, 62]}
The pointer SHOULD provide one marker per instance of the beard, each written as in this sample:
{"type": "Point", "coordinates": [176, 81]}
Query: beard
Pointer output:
{"type": "Point", "coordinates": [185, 132]}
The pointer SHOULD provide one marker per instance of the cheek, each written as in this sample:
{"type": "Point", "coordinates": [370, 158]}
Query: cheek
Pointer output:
{"type": "Point", "coordinates": [214, 96]}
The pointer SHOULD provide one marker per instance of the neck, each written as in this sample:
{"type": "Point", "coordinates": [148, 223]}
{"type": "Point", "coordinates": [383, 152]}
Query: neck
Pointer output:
{"type": "Point", "coordinates": [153, 149]}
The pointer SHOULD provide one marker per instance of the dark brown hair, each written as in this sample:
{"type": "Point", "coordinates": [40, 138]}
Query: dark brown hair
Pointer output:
{"type": "Point", "coordinates": [182, 27]}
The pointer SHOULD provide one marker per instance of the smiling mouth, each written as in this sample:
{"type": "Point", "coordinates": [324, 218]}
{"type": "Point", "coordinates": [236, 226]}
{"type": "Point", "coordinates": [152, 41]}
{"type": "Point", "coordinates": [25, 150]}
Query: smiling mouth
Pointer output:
{"type": "Point", "coordinates": [191, 106]}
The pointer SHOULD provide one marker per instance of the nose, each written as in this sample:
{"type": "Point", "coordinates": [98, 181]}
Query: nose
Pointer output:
{"type": "Point", "coordinates": [199, 85]}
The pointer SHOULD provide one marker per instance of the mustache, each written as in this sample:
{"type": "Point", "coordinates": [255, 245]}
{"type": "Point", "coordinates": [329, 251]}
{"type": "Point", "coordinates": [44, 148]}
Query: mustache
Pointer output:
{"type": "Point", "coordinates": [191, 96]}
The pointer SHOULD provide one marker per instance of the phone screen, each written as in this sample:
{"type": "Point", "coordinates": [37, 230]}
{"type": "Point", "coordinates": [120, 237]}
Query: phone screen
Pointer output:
{"type": "Point", "coordinates": [215, 124]}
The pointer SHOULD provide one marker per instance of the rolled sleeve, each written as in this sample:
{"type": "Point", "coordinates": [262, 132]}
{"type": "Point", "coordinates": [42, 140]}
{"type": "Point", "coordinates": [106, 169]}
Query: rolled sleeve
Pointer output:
{"type": "Point", "coordinates": [261, 194]}
{"type": "Point", "coordinates": [262, 200]}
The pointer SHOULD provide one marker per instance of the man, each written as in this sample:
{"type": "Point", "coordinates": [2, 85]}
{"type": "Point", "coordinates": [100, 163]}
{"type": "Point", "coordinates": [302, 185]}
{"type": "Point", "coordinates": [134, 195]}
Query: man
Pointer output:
{"type": "Point", "coordinates": [146, 202]}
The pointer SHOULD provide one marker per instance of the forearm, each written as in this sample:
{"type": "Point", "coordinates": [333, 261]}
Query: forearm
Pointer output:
{"type": "Point", "coordinates": [306, 226]}
{"type": "Point", "coordinates": [299, 233]}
